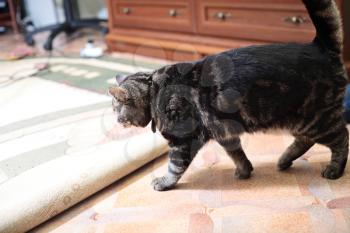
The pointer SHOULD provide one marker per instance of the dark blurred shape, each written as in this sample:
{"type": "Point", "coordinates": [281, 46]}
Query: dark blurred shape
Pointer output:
{"type": "Point", "coordinates": [73, 21]}
{"type": "Point", "coordinates": [347, 104]}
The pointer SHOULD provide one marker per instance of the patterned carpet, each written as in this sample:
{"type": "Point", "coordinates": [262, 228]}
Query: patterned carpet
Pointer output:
{"type": "Point", "coordinates": [32, 106]}
{"type": "Point", "coordinates": [55, 124]}
{"type": "Point", "coordinates": [93, 74]}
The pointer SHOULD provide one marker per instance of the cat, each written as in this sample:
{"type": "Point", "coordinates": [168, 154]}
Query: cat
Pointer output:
{"type": "Point", "coordinates": [291, 86]}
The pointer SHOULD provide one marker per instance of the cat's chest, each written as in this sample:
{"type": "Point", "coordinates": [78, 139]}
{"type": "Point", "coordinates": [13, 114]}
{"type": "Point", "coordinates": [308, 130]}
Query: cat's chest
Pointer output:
{"type": "Point", "coordinates": [276, 131]}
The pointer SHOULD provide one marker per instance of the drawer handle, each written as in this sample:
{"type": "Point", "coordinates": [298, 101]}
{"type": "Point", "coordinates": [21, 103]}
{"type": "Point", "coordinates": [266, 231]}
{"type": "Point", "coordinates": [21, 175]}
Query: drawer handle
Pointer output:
{"type": "Point", "coordinates": [296, 20]}
{"type": "Point", "coordinates": [173, 13]}
{"type": "Point", "coordinates": [222, 15]}
{"type": "Point", "coordinates": [126, 10]}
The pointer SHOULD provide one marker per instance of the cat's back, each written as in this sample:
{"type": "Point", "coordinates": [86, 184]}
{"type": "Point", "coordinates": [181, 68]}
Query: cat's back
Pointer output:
{"type": "Point", "coordinates": [272, 83]}
{"type": "Point", "coordinates": [287, 65]}
{"type": "Point", "coordinates": [285, 61]}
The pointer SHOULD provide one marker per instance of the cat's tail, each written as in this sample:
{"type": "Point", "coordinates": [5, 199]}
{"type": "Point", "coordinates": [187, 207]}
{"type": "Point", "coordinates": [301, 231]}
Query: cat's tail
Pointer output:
{"type": "Point", "coordinates": [326, 18]}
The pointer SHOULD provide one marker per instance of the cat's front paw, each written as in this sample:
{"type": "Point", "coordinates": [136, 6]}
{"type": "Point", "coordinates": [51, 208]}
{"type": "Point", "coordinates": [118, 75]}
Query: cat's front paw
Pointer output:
{"type": "Point", "coordinates": [332, 172]}
{"type": "Point", "coordinates": [163, 183]}
{"type": "Point", "coordinates": [284, 164]}
{"type": "Point", "coordinates": [245, 172]}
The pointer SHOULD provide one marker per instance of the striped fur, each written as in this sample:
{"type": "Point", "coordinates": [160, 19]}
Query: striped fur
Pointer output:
{"type": "Point", "coordinates": [294, 87]}
{"type": "Point", "coordinates": [326, 18]}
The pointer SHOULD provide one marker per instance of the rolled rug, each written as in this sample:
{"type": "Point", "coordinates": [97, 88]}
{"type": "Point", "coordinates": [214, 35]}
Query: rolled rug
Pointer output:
{"type": "Point", "coordinates": [40, 193]}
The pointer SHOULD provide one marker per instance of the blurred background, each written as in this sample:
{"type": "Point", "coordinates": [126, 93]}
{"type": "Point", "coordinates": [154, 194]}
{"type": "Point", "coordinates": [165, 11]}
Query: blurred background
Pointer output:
{"type": "Point", "coordinates": [170, 30]}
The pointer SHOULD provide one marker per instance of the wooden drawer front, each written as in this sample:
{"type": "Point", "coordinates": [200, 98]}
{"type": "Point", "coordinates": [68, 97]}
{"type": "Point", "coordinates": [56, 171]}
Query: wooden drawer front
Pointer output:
{"type": "Point", "coordinates": [159, 15]}
{"type": "Point", "coordinates": [265, 22]}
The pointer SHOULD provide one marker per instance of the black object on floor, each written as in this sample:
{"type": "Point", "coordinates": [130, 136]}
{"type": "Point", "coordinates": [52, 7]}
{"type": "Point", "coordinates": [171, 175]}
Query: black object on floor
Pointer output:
{"type": "Point", "coordinates": [71, 24]}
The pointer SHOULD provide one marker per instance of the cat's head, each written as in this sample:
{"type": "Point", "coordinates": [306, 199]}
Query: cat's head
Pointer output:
{"type": "Point", "coordinates": [131, 100]}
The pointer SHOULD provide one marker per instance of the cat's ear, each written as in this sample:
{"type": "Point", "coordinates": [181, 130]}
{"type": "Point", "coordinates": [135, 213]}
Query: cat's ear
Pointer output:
{"type": "Point", "coordinates": [149, 75]}
{"type": "Point", "coordinates": [119, 93]}
{"type": "Point", "coordinates": [119, 78]}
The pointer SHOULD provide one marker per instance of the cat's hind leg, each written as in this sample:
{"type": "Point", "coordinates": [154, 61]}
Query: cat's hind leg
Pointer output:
{"type": "Point", "coordinates": [338, 142]}
{"type": "Point", "coordinates": [300, 145]}
{"type": "Point", "coordinates": [234, 150]}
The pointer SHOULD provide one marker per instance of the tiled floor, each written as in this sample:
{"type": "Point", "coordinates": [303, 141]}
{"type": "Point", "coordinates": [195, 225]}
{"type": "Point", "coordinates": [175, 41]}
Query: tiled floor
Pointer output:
{"type": "Point", "coordinates": [209, 199]}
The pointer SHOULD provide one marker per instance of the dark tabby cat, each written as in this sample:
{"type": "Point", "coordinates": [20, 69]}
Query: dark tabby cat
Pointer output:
{"type": "Point", "coordinates": [297, 87]}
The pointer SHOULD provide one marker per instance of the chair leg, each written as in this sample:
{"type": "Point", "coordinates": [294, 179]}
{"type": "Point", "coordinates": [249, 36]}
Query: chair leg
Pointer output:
{"type": "Point", "coordinates": [52, 36]}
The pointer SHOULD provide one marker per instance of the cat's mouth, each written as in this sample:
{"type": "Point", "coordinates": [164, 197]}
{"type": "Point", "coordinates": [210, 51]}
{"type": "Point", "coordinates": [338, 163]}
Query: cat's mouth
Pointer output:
{"type": "Point", "coordinates": [127, 124]}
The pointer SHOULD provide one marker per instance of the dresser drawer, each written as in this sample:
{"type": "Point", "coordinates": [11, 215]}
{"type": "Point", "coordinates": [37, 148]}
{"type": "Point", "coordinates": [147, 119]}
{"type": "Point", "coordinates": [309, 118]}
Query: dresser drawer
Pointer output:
{"type": "Point", "coordinates": [158, 15]}
{"type": "Point", "coordinates": [288, 21]}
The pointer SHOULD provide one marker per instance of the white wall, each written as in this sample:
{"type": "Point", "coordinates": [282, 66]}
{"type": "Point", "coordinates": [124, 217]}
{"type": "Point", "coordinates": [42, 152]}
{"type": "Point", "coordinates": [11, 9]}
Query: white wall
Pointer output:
{"type": "Point", "coordinates": [92, 8]}
{"type": "Point", "coordinates": [42, 12]}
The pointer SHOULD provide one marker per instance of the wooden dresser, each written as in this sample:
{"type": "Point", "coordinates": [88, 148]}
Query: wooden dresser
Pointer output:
{"type": "Point", "coordinates": [9, 18]}
{"type": "Point", "coordinates": [190, 29]}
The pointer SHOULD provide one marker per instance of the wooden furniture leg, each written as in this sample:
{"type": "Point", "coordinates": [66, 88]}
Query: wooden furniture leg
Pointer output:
{"type": "Point", "coordinates": [12, 8]}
